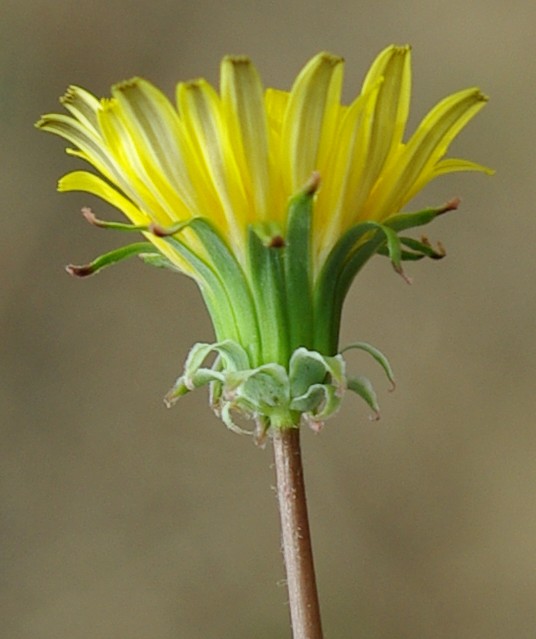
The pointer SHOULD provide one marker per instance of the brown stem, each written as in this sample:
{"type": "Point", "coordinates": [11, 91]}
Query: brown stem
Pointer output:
{"type": "Point", "coordinates": [295, 536]}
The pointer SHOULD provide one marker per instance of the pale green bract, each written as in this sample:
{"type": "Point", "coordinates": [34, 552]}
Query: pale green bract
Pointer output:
{"type": "Point", "coordinates": [310, 391]}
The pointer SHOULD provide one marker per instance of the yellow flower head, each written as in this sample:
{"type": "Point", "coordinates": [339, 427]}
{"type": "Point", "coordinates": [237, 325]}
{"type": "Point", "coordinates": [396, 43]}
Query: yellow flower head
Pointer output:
{"type": "Point", "coordinates": [236, 157]}
{"type": "Point", "coordinates": [271, 200]}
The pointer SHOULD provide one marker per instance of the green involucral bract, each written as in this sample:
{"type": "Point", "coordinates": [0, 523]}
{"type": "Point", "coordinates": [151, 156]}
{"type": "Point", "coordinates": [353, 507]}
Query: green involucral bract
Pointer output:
{"type": "Point", "coordinates": [311, 389]}
{"type": "Point", "coordinates": [276, 359]}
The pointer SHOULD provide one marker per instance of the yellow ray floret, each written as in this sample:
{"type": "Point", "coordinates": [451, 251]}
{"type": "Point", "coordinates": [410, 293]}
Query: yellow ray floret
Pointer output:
{"type": "Point", "coordinates": [235, 157]}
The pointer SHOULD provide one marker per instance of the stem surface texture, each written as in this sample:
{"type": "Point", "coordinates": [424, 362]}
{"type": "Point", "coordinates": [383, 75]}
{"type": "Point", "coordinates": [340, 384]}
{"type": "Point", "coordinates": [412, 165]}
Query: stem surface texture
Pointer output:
{"type": "Point", "coordinates": [295, 535]}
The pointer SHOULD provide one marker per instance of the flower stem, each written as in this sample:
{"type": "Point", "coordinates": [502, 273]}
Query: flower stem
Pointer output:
{"type": "Point", "coordinates": [295, 536]}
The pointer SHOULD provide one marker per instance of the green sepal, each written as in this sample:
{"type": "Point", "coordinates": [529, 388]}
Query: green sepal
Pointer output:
{"type": "Point", "coordinates": [345, 260]}
{"type": "Point", "coordinates": [405, 256]}
{"type": "Point", "coordinates": [265, 265]}
{"type": "Point", "coordinates": [185, 384]}
{"type": "Point", "coordinates": [178, 390]}
{"type": "Point", "coordinates": [240, 304]}
{"type": "Point", "coordinates": [231, 356]}
{"type": "Point", "coordinates": [109, 259]}
{"type": "Point", "coordinates": [270, 233]}
{"type": "Point", "coordinates": [319, 403]}
{"type": "Point", "coordinates": [298, 269]}
{"type": "Point", "coordinates": [317, 384]}
{"type": "Point", "coordinates": [118, 226]}
{"type": "Point", "coordinates": [307, 368]}
{"type": "Point", "coordinates": [309, 401]}
{"type": "Point", "coordinates": [339, 256]}
{"type": "Point", "coordinates": [419, 249]}
{"type": "Point", "coordinates": [159, 261]}
{"type": "Point", "coordinates": [384, 236]}
{"type": "Point", "coordinates": [424, 248]}
{"type": "Point", "coordinates": [224, 287]}
{"type": "Point", "coordinates": [351, 253]}
{"type": "Point", "coordinates": [394, 249]}
{"type": "Point", "coordinates": [262, 389]}
{"type": "Point", "coordinates": [404, 221]}
{"type": "Point", "coordinates": [156, 229]}
{"type": "Point", "coordinates": [377, 355]}
{"type": "Point", "coordinates": [330, 291]}
{"type": "Point", "coordinates": [212, 289]}
{"type": "Point", "coordinates": [309, 392]}
{"type": "Point", "coordinates": [362, 387]}
{"type": "Point", "coordinates": [225, 415]}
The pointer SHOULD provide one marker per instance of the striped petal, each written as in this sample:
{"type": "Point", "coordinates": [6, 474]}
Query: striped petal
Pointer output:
{"type": "Point", "coordinates": [145, 184]}
{"type": "Point", "coordinates": [235, 158]}
{"type": "Point", "coordinates": [90, 183]}
{"type": "Point", "coordinates": [310, 119]}
{"type": "Point", "coordinates": [83, 106]}
{"type": "Point", "coordinates": [416, 160]}
{"type": "Point", "coordinates": [89, 142]}
{"type": "Point", "coordinates": [392, 69]}
{"type": "Point", "coordinates": [160, 139]}
{"type": "Point", "coordinates": [243, 106]}
{"type": "Point", "coordinates": [201, 111]}
{"type": "Point", "coordinates": [451, 165]}
{"type": "Point", "coordinates": [342, 188]}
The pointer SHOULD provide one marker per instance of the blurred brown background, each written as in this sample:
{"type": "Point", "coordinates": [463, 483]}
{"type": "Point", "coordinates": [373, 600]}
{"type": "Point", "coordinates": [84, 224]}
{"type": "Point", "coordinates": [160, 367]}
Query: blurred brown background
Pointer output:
{"type": "Point", "coordinates": [124, 520]}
